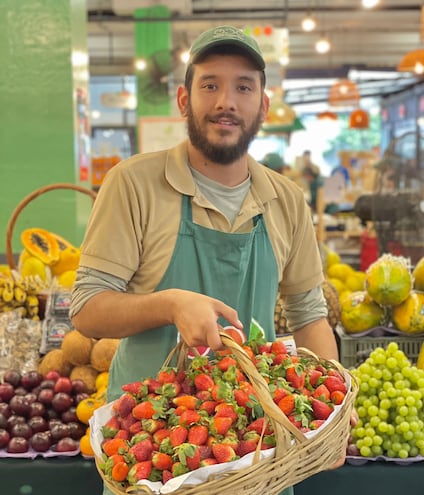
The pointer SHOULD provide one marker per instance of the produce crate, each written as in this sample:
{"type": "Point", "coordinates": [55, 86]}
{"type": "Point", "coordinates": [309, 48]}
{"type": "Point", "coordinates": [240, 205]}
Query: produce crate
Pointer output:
{"type": "Point", "coordinates": [355, 349]}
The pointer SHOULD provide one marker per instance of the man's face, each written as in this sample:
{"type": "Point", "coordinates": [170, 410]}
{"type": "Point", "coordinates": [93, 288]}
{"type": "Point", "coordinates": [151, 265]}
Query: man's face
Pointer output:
{"type": "Point", "coordinates": [225, 108]}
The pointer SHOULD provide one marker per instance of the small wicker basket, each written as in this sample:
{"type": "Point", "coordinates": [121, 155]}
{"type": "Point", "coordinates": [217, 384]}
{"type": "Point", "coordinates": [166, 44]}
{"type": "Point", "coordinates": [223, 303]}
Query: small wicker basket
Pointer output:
{"type": "Point", "coordinates": [26, 200]}
{"type": "Point", "coordinates": [297, 457]}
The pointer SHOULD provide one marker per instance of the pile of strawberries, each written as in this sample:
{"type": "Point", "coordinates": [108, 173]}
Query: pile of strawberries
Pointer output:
{"type": "Point", "coordinates": [180, 421]}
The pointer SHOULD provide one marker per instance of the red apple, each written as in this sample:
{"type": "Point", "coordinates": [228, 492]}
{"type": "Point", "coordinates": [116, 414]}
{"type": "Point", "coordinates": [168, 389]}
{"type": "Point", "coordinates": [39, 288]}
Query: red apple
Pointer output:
{"type": "Point", "coordinates": [63, 384]}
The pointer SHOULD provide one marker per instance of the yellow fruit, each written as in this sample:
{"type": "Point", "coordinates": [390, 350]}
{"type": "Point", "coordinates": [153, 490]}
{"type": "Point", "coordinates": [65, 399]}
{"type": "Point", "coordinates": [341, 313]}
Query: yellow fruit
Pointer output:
{"type": "Point", "coordinates": [356, 281]}
{"type": "Point", "coordinates": [388, 280]}
{"type": "Point", "coordinates": [408, 316]}
{"type": "Point", "coordinates": [332, 258]}
{"type": "Point", "coordinates": [68, 260]}
{"type": "Point", "coordinates": [34, 267]}
{"type": "Point", "coordinates": [5, 270]}
{"type": "Point", "coordinates": [420, 360]}
{"type": "Point", "coordinates": [360, 313]}
{"type": "Point", "coordinates": [418, 275]}
{"type": "Point", "coordinates": [340, 271]}
{"type": "Point", "coordinates": [338, 285]}
{"type": "Point", "coordinates": [85, 446]}
{"type": "Point", "coordinates": [102, 380]}
{"type": "Point", "coordinates": [85, 409]}
{"type": "Point", "coordinates": [67, 279]}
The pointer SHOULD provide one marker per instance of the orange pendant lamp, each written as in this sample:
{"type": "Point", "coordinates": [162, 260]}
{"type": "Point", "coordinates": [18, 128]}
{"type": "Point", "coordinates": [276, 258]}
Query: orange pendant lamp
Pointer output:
{"type": "Point", "coordinates": [343, 93]}
{"type": "Point", "coordinates": [327, 115]}
{"type": "Point", "coordinates": [412, 62]}
{"type": "Point", "coordinates": [359, 119]}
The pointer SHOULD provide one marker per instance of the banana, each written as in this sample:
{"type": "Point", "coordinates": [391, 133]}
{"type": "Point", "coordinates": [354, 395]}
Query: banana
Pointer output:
{"type": "Point", "coordinates": [31, 301]}
{"type": "Point", "coordinates": [19, 294]}
{"type": "Point", "coordinates": [8, 292]}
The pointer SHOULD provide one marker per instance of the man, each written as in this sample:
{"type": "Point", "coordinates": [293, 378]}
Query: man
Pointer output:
{"type": "Point", "coordinates": [183, 241]}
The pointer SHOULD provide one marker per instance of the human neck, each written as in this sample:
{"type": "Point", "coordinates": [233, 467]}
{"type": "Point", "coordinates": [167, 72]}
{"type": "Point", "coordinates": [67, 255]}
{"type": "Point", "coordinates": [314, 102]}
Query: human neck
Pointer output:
{"type": "Point", "coordinates": [231, 174]}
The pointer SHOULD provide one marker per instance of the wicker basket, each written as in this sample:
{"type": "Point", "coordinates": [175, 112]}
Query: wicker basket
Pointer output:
{"type": "Point", "coordinates": [297, 457]}
{"type": "Point", "coordinates": [22, 204]}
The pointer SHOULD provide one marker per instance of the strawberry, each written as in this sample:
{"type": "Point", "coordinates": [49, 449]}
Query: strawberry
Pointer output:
{"type": "Point", "coordinates": [225, 409]}
{"type": "Point", "coordinates": [138, 389]}
{"type": "Point", "coordinates": [178, 435]}
{"type": "Point", "coordinates": [296, 376]}
{"type": "Point", "coordinates": [222, 391]}
{"type": "Point", "coordinates": [152, 425]}
{"type": "Point", "coordinates": [208, 406]}
{"type": "Point", "coordinates": [313, 376]}
{"type": "Point", "coordinates": [120, 471]}
{"type": "Point", "coordinates": [286, 404]}
{"type": "Point", "coordinates": [337, 397]}
{"type": "Point", "coordinates": [316, 423]}
{"type": "Point", "coordinates": [198, 434]}
{"type": "Point", "coordinates": [258, 425]}
{"type": "Point", "coordinates": [205, 451]}
{"type": "Point", "coordinates": [277, 393]}
{"type": "Point", "coordinates": [140, 471]}
{"type": "Point", "coordinates": [245, 447]}
{"type": "Point", "coordinates": [166, 375]}
{"type": "Point", "coordinates": [166, 475]}
{"type": "Point", "coordinates": [334, 383]}
{"type": "Point", "coordinates": [124, 434]}
{"type": "Point", "coordinates": [187, 401]}
{"type": "Point", "coordinates": [204, 395]}
{"type": "Point", "coordinates": [208, 461]}
{"type": "Point", "coordinates": [124, 405]}
{"type": "Point", "coordinates": [337, 374]}
{"type": "Point", "coordinates": [219, 425]}
{"type": "Point", "coordinates": [170, 389]}
{"type": "Point", "coordinates": [278, 347]}
{"type": "Point", "coordinates": [159, 435]}
{"type": "Point", "coordinates": [321, 409]}
{"type": "Point", "coordinates": [189, 417]}
{"type": "Point", "coordinates": [162, 461]}
{"type": "Point", "coordinates": [189, 455]}
{"type": "Point", "coordinates": [142, 451]}
{"type": "Point", "coordinates": [226, 362]}
{"type": "Point", "coordinates": [144, 410]}
{"type": "Point", "coordinates": [223, 453]}
{"type": "Point", "coordinates": [203, 382]}
{"type": "Point", "coordinates": [135, 428]}
{"type": "Point", "coordinates": [151, 384]}
{"type": "Point", "coordinates": [111, 427]}
{"type": "Point", "coordinates": [113, 446]}
{"type": "Point", "coordinates": [127, 422]}
{"type": "Point", "coordinates": [321, 392]}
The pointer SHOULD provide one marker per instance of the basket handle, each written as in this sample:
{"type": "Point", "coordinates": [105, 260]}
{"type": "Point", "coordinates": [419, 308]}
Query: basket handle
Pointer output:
{"type": "Point", "coordinates": [24, 202]}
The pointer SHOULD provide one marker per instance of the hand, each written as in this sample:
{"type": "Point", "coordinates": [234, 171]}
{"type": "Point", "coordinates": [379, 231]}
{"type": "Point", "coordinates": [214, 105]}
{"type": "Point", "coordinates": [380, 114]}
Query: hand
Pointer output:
{"type": "Point", "coordinates": [195, 315]}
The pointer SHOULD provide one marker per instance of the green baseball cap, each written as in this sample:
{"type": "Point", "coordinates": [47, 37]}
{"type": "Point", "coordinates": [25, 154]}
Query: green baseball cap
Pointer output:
{"type": "Point", "coordinates": [226, 35]}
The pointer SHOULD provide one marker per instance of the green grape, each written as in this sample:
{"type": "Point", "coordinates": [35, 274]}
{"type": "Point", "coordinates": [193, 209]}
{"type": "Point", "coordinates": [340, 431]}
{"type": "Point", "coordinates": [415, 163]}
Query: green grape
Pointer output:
{"type": "Point", "coordinates": [403, 454]}
{"type": "Point", "coordinates": [364, 387]}
{"type": "Point", "coordinates": [403, 411]}
{"type": "Point", "coordinates": [362, 411]}
{"type": "Point", "coordinates": [373, 382]}
{"type": "Point", "coordinates": [409, 400]}
{"type": "Point", "coordinates": [403, 426]}
{"type": "Point", "coordinates": [367, 403]}
{"type": "Point", "coordinates": [382, 395]}
{"type": "Point", "coordinates": [413, 451]}
{"type": "Point", "coordinates": [382, 427]}
{"type": "Point", "coordinates": [391, 363]}
{"type": "Point", "coordinates": [365, 451]}
{"type": "Point", "coordinates": [374, 421]}
{"type": "Point", "coordinates": [390, 453]}
{"type": "Point", "coordinates": [385, 404]}
{"type": "Point", "coordinates": [400, 401]}
{"type": "Point", "coordinates": [376, 450]}
{"type": "Point", "coordinates": [367, 441]}
{"type": "Point", "coordinates": [372, 411]}
{"type": "Point", "coordinates": [387, 375]}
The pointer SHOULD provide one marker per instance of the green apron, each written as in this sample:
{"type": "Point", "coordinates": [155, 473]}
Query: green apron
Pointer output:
{"type": "Point", "coordinates": [239, 269]}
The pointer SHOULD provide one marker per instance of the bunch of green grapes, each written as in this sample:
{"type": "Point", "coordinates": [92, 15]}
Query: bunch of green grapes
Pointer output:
{"type": "Point", "coordinates": [389, 405]}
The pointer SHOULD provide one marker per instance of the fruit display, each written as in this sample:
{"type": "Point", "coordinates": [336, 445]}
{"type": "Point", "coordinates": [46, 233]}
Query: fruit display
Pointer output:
{"type": "Point", "coordinates": [389, 405]}
{"type": "Point", "coordinates": [38, 413]}
{"type": "Point", "coordinates": [209, 413]}
{"type": "Point", "coordinates": [20, 293]}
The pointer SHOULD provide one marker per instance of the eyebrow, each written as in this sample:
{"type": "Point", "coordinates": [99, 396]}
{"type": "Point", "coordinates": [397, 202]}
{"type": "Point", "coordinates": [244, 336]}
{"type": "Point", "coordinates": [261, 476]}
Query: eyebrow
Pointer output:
{"type": "Point", "coordinates": [244, 78]}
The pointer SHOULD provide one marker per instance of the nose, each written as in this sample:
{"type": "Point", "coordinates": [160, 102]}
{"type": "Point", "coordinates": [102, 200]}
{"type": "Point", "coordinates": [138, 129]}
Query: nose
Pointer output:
{"type": "Point", "coordinates": [225, 99]}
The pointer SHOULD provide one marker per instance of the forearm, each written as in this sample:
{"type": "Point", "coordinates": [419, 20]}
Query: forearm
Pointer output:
{"type": "Point", "coordinates": [118, 314]}
{"type": "Point", "coordinates": [319, 338]}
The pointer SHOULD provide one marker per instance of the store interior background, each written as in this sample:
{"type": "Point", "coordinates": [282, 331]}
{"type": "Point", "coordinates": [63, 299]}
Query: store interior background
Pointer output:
{"type": "Point", "coordinates": [367, 45]}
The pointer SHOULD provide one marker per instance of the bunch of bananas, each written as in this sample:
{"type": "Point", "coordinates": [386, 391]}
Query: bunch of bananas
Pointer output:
{"type": "Point", "coordinates": [20, 293]}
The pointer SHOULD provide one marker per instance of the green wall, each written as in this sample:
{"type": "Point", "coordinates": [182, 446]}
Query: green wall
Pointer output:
{"type": "Point", "coordinates": [37, 93]}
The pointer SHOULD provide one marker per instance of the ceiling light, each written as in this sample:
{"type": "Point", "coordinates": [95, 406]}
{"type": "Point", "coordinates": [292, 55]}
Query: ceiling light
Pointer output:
{"type": "Point", "coordinates": [412, 62]}
{"type": "Point", "coordinates": [308, 23]}
{"type": "Point", "coordinates": [343, 93]}
{"type": "Point", "coordinates": [140, 63]}
{"type": "Point", "coordinates": [327, 115]}
{"type": "Point", "coordinates": [322, 45]}
{"type": "Point", "coordinates": [359, 119]}
{"type": "Point", "coordinates": [370, 4]}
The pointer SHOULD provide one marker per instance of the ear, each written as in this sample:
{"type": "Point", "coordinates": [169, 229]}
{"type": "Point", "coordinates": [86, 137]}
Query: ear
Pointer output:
{"type": "Point", "coordinates": [265, 106]}
{"type": "Point", "coordinates": [182, 100]}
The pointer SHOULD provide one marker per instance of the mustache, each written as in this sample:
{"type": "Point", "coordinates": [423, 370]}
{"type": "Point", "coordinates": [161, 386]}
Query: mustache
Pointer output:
{"type": "Point", "coordinates": [225, 116]}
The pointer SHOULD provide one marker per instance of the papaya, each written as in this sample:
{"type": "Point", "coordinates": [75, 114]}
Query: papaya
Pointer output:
{"type": "Point", "coordinates": [360, 313]}
{"type": "Point", "coordinates": [418, 275]}
{"type": "Point", "coordinates": [388, 280]}
{"type": "Point", "coordinates": [408, 316]}
{"type": "Point", "coordinates": [69, 256]}
{"type": "Point", "coordinates": [41, 244]}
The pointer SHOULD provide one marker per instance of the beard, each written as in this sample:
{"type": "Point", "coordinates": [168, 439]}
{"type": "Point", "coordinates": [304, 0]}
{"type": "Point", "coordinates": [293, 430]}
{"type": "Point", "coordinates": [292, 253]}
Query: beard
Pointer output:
{"type": "Point", "coordinates": [223, 154]}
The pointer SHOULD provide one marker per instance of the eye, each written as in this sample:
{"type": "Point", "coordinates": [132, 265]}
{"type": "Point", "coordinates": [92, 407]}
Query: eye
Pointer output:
{"type": "Point", "coordinates": [209, 86]}
{"type": "Point", "coordinates": [244, 89]}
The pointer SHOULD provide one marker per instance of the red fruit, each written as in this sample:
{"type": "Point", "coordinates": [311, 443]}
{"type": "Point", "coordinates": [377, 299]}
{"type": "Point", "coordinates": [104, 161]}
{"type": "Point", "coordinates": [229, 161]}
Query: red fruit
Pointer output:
{"type": "Point", "coordinates": [63, 384]}
{"type": "Point", "coordinates": [178, 435]}
{"type": "Point", "coordinates": [120, 471]}
{"type": "Point", "coordinates": [333, 372]}
{"type": "Point", "coordinates": [208, 461]}
{"type": "Point", "coordinates": [287, 404]}
{"type": "Point", "coordinates": [278, 347]}
{"type": "Point", "coordinates": [321, 392]}
{"type": "Point", "coordinates": [208, 406]}
{"type": "Point", "coordinates": [144, 410]}
{"type": "Point", "coordinates": [314, 375]}
{"type": "Point", "coordinates": [224, 409]}
{"type": "Point", "coordinates": [226, 362]}
{"type": "Point", "coordinates": [140, 471]}
{"type": "Point", "coordinates": [142, 450]}
{"type": "Point", "coordinates": [189, 455]}
{"type": "Point", "coordinates": [113, 446]}
{"type": "Point", "coordinates": [203, 382]}
{"type": "Point", "coordinates": [139, 389]}
{"type": "Point", "coordinates": [166, 475]}
{"type": "Point", "coordinates": [187, 401]}
{"type": "Point", "coordinates": [160, 435]}
{"type": "Point", "coordinates": [334, 383]}
{"type": "Point", "coordinates": [243, 394]}
{"type": "Point", "coordinates": [189, 417]}
{"type": "Point", "coordinates": [223, 453]}
{"type": "Point", "coordinates": [124, 434]}
{"type": "Point", "coordinates": [278, 394]}
{"type": "Point", "coordinates": [178, 468]}
{"type": "Point", "coordinates": [167, 375]}
{"type": "Point", "coordinates": [203, 395]}
{"type": "Point", "coordinates": [127, 422]}
{"type": "Point", "coordinates": [162, 461]}
{"type": "Point", "coordinates": [198, 434]}
{"type": "Point", "coordinates": [321, 410]}
{"type": "Point", "coordinates": [220, 425]}
{"type": "Point", "coordinates": [316, 423]}
{"type": "Point", "coordinates": [152, 425]}
{"type": "Point", "coordinates": [124, 405]}
{"type": "Point", "coordinates": [245, 447]}
{"type": "Point", "coordinates": [337, 397]}
{"type": "Point", "coordinates": [296, 376]}
{"type": "Point", "coordinates": [152, 385]}
{"type": "Point", "coordinates": [136, 427]}
{"type": "Point", "coordinates": [111, 427]}
{"type": "Point", "coordinates": [258, 425]}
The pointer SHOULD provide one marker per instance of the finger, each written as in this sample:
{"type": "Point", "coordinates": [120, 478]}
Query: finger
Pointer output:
{"type": "Point", "coordinates": [213, 338]}
{"type": "Point", "coordinates": [229, 314]}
